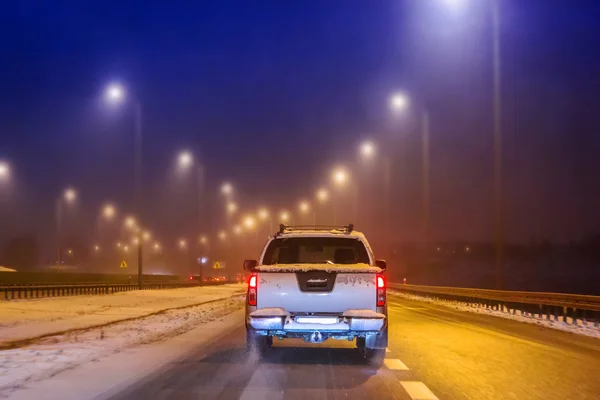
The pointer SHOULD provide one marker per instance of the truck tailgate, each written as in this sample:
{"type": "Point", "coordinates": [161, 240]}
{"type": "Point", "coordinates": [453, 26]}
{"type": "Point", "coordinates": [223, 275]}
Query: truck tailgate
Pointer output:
{"type": "Point", "coordinates": [317, 292]}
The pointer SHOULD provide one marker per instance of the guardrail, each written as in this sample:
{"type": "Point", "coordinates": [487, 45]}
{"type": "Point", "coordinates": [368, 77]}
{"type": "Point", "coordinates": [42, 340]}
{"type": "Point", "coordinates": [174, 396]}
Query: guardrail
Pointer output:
{"type": "Point", "coordinates": [39, 291]}
{"type": "Point", "coordinates": [570, 308]}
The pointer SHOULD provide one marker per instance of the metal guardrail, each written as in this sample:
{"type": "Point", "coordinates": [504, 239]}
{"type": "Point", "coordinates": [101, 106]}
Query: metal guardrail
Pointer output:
{"type": "Point", "coordinates": [39, 291]}
{"type": "Point", "coordinates": [554, 306]}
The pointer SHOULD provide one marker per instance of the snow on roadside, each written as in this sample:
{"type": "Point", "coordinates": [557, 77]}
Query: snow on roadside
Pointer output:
{"type": "Point", "coordinates": [578, 327]}
{"type": "Point", "coordinates": [51, 355]}
{"type": "Point", "coordinates": [26, 319]}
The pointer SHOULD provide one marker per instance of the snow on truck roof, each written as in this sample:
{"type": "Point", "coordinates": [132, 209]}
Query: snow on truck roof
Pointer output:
{"type": "Point", "coordinates": [316, 230]}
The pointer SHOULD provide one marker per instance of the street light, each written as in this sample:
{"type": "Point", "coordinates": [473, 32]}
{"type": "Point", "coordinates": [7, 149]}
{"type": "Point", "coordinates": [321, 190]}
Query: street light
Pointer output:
{"type": "Point", "coordinates": [157, 247]}
{"type": "Point", "coordinates": [231, 207]}
{"type": "Point", "coordinates": [4, 171]}
{"type": "Point", "coordinates": [237, 229]}
{"type": "Point", "coordinates": [322, 195]}
{"type": "Point", "coordinates": [367, 149]}
{"type": "Point", "coordinates": [284, 216]}
{"type": "Point", "coordinates": [340, 176]}
{"type": "Point", "coordinates": [263, 214]}
{"type": "Point", "coordinates": [222, 235]}
{"type": "Point", "coordinates": [226, 189]}
{"type": "Point", "coordinates": [182, 243]}
{"type": "Point", "coordinates": [126, 249]}
{"type": "Point", "coordinates": [398, 101]}
{"type": "Point", "coordinates": [108, 211]}
{"type": "Point", "coordinates": [146, 236]}
{"type": "Point", "coordinates": [304, 207]}
{"type": "Point", "coordinates": [115, 94]}
{"type": "Point", "coordinates": [70, 195]}
{"type": "Point", "coordinates": [185, 160]}
{"type": "Point", "coordinates": [96, 248]}
{"type": "Point", "coordinates": [249, 222]}
{"type": "Point", "coordinates": [130, 222]}
{"type": "Point", "coordinates": [203, 239]}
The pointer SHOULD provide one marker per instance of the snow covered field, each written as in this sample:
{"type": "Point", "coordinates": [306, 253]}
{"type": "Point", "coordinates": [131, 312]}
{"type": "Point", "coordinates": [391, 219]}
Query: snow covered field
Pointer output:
{"type": "Point", "coordinates": [23, 320]}
{"type": "Point", "coordinates": [578, 328]}
{"type": "Point", "coordinates": [49, 356]}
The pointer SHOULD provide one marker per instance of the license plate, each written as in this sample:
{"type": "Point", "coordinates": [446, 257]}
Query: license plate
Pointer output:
{"type": "Point", "coordinates": [317, 320]}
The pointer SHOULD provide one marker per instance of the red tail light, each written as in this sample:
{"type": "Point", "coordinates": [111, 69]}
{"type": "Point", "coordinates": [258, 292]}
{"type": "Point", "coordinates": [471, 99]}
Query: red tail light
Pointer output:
{"type": "Point", "coordinates": [380, 291]}
{"type": "Point", "coordinates": [252, 290]}
{"type": "Point", "coordinates": [191, 278]}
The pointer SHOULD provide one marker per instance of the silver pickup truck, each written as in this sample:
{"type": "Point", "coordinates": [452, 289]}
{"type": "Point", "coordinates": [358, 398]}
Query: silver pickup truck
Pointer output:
{"type": "Point", "coordinates": [317, 283]}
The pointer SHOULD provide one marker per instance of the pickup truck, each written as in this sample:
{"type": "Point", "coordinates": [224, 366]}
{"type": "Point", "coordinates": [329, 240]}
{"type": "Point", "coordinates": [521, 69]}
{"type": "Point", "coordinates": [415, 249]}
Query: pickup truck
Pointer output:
{"type": "Point", "coordinates": [317, 283]}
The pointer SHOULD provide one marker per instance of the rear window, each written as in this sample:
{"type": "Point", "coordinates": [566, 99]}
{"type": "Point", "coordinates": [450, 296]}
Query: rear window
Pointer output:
{"type": "Point", "coordinates": [316, 250]}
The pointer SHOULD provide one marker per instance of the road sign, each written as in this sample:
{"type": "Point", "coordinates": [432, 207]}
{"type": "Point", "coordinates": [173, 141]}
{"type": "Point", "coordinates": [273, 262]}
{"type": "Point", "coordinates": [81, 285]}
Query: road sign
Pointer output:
{"type": "Point", "coordinates": [219, 265]}
{"type": "Point", "coordinates": [123, 264]}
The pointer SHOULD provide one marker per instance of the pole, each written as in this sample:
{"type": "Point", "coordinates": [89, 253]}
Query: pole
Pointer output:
{"type": "Point", "coordinates": [426, 183]}
{"type": "Point", "coordinates": [138, 186]}
{"type": "Point", "coordinates": [387, 182]}
{"type": "Point", "coordinates": [58, 232]}
{"type": "Point", "coordinates": [200, 205]}
{"type": "Point", "coordinates": [498, 189]}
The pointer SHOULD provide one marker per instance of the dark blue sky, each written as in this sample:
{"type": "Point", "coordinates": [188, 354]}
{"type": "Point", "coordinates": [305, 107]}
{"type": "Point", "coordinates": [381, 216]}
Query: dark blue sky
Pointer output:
{"type": "Point", "coordinates": [271, 94]}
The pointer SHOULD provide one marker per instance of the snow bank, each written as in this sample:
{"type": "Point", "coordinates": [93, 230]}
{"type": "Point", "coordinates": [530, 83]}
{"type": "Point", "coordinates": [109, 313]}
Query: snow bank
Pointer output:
{"type": "Point", "coordinates": [339, 268]}
{"type": "Point", "coordinates": [27, 319]}
{"type": "Point", "coordinates": [53, 355]}
{"type": "Point", "coordinates": [537, 319]}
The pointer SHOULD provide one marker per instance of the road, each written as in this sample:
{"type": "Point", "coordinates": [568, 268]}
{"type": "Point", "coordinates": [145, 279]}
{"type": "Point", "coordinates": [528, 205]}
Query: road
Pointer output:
{"type": "Point", "coordinates": [434, 352]}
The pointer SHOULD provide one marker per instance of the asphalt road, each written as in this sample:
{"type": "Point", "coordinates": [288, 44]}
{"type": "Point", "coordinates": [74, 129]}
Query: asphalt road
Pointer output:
{"type": "Point", "coordinates": [434, 352]}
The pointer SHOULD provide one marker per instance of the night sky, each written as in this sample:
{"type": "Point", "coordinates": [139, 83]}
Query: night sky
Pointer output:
{"type": "Point", "coordinates": [272, 94]}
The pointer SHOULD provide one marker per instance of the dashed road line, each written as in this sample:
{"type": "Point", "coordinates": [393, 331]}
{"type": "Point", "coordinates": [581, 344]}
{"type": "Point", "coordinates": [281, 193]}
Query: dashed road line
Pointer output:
{"type": "Point", "coordinates": [418, 391]}
{"type": "Point", "coordinates": [395, 364]}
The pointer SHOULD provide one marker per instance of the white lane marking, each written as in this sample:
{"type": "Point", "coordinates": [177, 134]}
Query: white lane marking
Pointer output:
{"type": "Point", "coordinates": [387, 350]}
{"type": "Point", "coordinates": [395, 364]}
{"type": "Point", "coordinates": [418, 390]}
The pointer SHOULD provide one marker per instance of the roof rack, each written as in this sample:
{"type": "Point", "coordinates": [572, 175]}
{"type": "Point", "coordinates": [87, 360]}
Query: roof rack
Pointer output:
{"type": "Point", "coordinates": [298, 228]}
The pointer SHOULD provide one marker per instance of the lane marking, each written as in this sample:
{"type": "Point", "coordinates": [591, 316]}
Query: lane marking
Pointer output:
{"type": "Point", "coordinates": [395, 364]}
{"type": "Point", "coordinates": [418, 391]}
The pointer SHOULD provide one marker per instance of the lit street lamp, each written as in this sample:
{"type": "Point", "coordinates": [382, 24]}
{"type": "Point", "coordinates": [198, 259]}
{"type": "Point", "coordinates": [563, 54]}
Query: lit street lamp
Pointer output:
{"type": "Point", "coordinates": [231, 208]}
{"type": "Point", "coordinates": [237, 230]}
{"type": "Point", "coordinates": [185, 161]}
{"type": "Point", "coordinates": [222, 235]}
{"type": "Point", "coordinates": [69, 196]}
{"type": "Point", "coordinates": [4, 171]}
{"type": "Point", "coordinates": [304, 208]}
{"type": "Point", "coordinates": [249, 222]}
{"type": "Point", "coordinates": [284, 217]}
{"type": "Point", "coordinates": [182, 243]}
{"type": "Point", "coordinates": [367, 150]}
{"type": "Point", "coordinates": [226, 189]}
{"type": "Point", "coordinates": [108, 211]}
{"type": "Point", "coordinates": [322, 195]}
{"type": "Point", "coordinates": [115, 93]}
{"type": "Point", "coordinates": [130, 222]}
{"type": "Point", "coordinates": [398, 101]}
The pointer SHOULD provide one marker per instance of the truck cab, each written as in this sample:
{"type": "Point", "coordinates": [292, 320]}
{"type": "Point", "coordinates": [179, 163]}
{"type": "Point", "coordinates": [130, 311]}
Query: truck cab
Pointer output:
{"type": "Point", "coordinates": [317, 283]}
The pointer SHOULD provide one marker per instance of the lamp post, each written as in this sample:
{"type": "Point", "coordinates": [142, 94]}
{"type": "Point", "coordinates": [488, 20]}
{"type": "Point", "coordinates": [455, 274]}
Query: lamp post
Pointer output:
{"type": "Point", "coordinates": [69, 196]}
{"type": "Point", "coordinates": [116, 94]}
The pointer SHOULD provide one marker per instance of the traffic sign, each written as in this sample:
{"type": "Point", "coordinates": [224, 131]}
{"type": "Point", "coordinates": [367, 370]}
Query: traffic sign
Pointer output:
{"type": "Point", "coordinates": [219, 265]}
{"type": "Point", "coordinates": [123, 264]}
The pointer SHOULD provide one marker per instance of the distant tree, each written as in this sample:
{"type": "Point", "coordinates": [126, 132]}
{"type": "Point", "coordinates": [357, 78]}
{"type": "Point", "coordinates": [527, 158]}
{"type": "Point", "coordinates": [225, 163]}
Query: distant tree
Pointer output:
{"type": "Point", "coordinates": [21, 253]}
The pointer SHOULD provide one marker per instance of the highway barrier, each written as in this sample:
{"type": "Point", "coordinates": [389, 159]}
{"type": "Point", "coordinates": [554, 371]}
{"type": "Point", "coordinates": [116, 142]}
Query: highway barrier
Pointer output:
{"type": "Point", "coordinates": [568, 308]}
{"type": "Point", "coordinates": [38, 291]}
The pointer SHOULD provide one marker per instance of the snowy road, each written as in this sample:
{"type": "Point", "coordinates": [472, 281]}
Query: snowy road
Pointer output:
{"type": "Point", "coordinates": [435, 352]}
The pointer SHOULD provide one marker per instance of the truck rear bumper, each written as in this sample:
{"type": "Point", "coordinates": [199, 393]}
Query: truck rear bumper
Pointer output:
{"type": "Point", "coordinates": [351, 323]}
